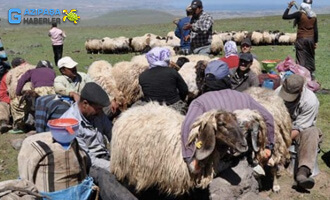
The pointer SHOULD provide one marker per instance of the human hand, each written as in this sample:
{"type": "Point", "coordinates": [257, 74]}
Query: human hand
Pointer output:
{"type": "Point", "coordinates": [187, 26]}
{"type": "Point", "coordinates": [186, 38]}
{"type": "Point", "coordinates": [75, 96]}
{"type": "Point", "coordinates": [114, 106]}
{"type": "Point", "coordinates": [292, 3]}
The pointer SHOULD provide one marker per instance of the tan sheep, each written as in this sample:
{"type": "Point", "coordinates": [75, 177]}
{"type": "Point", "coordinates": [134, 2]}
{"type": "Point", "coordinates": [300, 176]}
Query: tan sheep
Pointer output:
{"type": "Point", "coordinates": [282, 126]}
{"type": "Point", "coordinates": [146, 147]}
{"type": "Point", "coordinates": [216, 45]}
{"type": "Point", "coordinates": [93, 46]}
{"type": "Point", "coordinates": [256, 66]}
{"type": "Point", "coordinates": [256, 38]}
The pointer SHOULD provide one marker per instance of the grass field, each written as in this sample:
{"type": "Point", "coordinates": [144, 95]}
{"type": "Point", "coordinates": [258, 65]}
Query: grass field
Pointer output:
{"type": "Point", "coordinates": [33, 44]}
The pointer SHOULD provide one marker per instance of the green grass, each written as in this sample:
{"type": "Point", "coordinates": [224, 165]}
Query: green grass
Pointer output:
{"type": "Point", "coordinates": [33, 44]}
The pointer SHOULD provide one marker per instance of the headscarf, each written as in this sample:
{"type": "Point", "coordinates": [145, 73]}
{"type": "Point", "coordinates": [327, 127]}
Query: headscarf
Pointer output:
{"type": "Point", "coordinates": [230, 48]}
{"type": "Point", "coordinates": [307, 8]}
{"type": "Point", "coordinates": [158, 57]}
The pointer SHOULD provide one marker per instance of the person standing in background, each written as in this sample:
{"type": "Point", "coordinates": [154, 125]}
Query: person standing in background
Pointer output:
{"type": "Point", "coordinates": [57, 36]}
{"type": "Point", "coordinates": [307, 34]}
{"type": "Point", "coordinates": [184, 34]}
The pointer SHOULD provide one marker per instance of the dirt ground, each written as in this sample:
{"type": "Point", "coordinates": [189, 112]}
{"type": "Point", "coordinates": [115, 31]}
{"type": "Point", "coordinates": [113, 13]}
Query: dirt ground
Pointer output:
{"type": "Point", "coordinates": [321, 190]}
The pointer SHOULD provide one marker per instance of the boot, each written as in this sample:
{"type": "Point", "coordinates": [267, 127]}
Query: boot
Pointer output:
{"type": "Point", "coordinates": [303, 178]}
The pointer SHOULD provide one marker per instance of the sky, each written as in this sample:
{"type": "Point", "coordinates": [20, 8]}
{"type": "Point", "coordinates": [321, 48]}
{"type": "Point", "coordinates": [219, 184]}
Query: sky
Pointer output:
{"type": "Point", "coordinates": [98, 7]}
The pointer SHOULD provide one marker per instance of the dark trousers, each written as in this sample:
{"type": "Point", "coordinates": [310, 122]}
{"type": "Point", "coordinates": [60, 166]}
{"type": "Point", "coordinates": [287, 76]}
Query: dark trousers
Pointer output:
{"type": "Point", "coordinates": [58, 50]}
{"type": "Point", "coordinates": [305, 53]}
{"type": "Point", "coordinates": [110, 188]}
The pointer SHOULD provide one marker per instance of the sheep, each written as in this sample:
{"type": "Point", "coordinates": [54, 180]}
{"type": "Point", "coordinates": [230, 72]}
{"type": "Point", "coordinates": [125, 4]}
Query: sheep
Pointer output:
{"type": "Point", "coordinates": [93, 46]}
{"type": "Point", "coordinates": [139, 43]}
{"type": "Point", "coordinates": [146, 147]}
{"type": "Point", "coordinates": [256, 38]}
{"type": "Point", "coordinates": [267, 39]}
{"type": "Point", "coordinates": [101, 72]}
{"type": "Point", "coordinates": [292, 37]}
{"type": "Point", "coordinates": [239, 36]}
{"type": "Point", "coordinates": [284, 39]}
{"type": "Point", "coordinates": [188, 73]}
{"type": "Point", "coordinates": [216, 45]}
{"type": "Point", "coordinates": [282, 126]}
{"type": "Point", "coordinates": [256, 66]}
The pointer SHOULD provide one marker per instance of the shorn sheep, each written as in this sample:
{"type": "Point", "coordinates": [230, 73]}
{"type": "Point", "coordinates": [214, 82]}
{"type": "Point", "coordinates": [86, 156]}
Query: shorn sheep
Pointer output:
{"type": "Point", "coordinates": [282, 125]}
{"type": "Point", "coordinates": [146, 147]}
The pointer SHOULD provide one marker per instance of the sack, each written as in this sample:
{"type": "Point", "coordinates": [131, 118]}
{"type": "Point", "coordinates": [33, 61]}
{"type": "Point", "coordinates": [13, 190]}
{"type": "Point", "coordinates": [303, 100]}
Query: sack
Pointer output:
{"type": "Point", "coordinates": [270, 81]}
{"type": "Point", "coordinates": [289, 65]}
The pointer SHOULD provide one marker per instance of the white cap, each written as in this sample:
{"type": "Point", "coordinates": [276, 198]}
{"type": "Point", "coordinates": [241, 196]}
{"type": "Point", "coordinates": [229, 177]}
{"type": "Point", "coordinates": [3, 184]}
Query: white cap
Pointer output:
{"type": "Point", "coordinates": [66, 62]}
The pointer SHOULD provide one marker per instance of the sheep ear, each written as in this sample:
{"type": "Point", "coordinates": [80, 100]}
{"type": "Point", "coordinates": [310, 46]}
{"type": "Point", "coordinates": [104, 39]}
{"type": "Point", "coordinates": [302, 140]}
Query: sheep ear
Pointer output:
{"type": "Point", "coordinates": [206, 141]}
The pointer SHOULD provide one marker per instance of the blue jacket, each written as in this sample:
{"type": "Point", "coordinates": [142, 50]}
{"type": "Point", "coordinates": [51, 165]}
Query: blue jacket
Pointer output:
{"type": "Point", "coordinates": [180, 33]}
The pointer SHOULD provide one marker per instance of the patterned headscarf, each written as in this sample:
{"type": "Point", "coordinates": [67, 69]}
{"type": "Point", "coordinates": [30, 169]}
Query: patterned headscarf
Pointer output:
{"type": "Point", "coordinates": [158, 57]}
{"type": "Point", "coordinates": [230, 48]}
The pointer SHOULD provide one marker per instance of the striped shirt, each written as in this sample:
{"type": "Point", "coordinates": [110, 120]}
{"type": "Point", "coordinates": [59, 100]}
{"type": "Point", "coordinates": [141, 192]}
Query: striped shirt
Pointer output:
{"type": "Point", "coordinates": [228, 100]}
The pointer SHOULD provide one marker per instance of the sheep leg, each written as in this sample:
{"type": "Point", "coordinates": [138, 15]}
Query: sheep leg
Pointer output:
{"type": "Point", "coordinates": [276, 186]}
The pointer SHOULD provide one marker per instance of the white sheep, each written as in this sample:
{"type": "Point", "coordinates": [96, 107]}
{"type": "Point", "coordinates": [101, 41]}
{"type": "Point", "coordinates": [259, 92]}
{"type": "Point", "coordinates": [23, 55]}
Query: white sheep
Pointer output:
{"type": "Point", "coordinates": [93, 46]}
{"type": "Point", "coordinates": [188, 73]}
{"type": "Point", "coordinates": [256, 66]}
{"type": "Point", "coordinates": [256, 38]}
{"type": "Point", "coordinates": [146, 147]}
{"type": "Point", "coordinates": [267, 38]}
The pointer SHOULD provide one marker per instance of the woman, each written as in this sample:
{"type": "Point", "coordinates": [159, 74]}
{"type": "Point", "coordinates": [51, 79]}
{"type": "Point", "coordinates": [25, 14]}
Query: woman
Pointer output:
{"type": "Point", "coordinates": [307, 34]}
{"type": "Point", "coordinates": [162, 83]}
{"type": "Point", "coordinates": [231, 57]}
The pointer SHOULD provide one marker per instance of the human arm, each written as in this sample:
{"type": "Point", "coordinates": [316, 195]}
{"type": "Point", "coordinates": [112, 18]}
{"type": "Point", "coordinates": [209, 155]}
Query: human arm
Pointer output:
{"type": "Point", "coordinates": [26, 77]}
{"type": "Point", "coordinates": [295, 15]}
{"type": "Point", "coordinates": [316, 33]}
{"type": "Point", "coordinates": [62, 86]}
{"type": "Point", "coordinates": [182, 86]}
{"type": "Point", "coordinates": [177, 32]}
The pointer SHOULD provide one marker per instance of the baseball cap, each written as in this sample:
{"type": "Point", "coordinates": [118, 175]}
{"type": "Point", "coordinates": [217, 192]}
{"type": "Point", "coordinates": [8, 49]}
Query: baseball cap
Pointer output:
{"type": "Point", "coordinates": [196, 4]}
{"type": "Point", "coordinates": [246, 56]}
{"type": "Point", "coordinates": [292, 87]}
{"type": "Point", "coordinates": [246, 41]}
{"type": "Point", "coordinates": [188, 9]}
{"type": "Point", "coordinates": [218, 68]}
{"type": "Point", "coordinates": [66, 62]}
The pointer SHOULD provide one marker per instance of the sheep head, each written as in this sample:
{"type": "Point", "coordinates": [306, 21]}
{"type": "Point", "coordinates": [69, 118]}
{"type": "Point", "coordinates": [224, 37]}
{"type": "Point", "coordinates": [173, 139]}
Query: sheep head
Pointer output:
{"type": "Point", "coordinates": [217, 128]}
{"type": "Point", "coordinates": [255, 130]}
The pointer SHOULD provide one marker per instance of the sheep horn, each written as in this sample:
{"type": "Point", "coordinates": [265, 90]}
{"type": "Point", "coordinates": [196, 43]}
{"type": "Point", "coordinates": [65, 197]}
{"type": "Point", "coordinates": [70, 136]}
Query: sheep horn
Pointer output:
{"type": "Point", "coordinates": [254, 136]}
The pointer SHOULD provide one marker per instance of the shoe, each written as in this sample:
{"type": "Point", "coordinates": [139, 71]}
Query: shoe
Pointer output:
{"type": "Point", "coordinates": [15, 131]}
{"type": "Point", "coordinates": [4, 129]}
{"type": "Point", "coordinates": [303, 178]}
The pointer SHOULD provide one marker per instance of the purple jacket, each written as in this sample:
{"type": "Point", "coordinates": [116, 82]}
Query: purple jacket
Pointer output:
{"type": "Point", "coordinates": [39, 77]}
{"type": "Point", "coordinates": [228, 100]}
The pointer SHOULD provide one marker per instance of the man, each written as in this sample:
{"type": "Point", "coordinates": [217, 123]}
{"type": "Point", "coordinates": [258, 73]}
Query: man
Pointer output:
{"type": "Point", "coordinates": [94, 130]}
{"type": "Point", "coordinates": [71, 82]}
{"type": "Point", "coordinates": [200, 28]}
{"type": "Point", "coordinates": [246, 47]}
{"type": "Point", "coordinates": [307, 34]}
{"type": "Point", "coordinates": [303, 107]}
{"type": "Point", "coordinates": [219, 96]}
{"type": "Point", "coordinates": [242, 77]}
{"type": "Point", "coordinates": [183, 34]}
{"type": "Point", "coordinates": [57, 36]}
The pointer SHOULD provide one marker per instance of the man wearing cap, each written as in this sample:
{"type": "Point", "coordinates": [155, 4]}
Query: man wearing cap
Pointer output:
{"type": "Point", "coordinates": [242, 77]}
{"type": "Point", "coordinates": [218, 95]}
{"type": "Point", "coordinates": [183, 34]}
{"type": "Point", "coordinates": [57, 37]}
{"type": "Point", "coordinates": [303, 107]}
{"type": "Point", "coordinates": [71, 82]}
{"type": "Point", "coordinates": [200, 28]}
{"type": "Point", "coordinates": [246, 47]}
{"type": "Point", "coordinates": [94, 130]}
{"type": "Point", "coordinates": [307, 33]}
{"type": "Point", "coordinates": [42, 79]}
